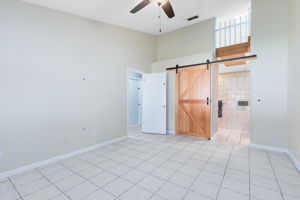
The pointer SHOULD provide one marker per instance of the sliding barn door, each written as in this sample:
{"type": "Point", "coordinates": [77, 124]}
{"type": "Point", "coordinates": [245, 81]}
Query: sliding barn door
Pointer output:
{"type": "Point", "coordinates": [193, 101]}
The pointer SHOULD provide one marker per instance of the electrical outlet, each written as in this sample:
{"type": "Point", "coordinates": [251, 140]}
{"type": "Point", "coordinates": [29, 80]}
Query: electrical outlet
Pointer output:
{"type": "Point", "coordinates": [83, 129]}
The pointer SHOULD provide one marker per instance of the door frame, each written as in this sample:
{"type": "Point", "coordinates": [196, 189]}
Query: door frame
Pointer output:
{"type": "Point", "coordinates": [128, 77]}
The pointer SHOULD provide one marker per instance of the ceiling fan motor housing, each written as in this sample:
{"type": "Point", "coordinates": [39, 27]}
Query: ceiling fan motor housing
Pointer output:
{"type": "Point", "coordinates": [159, 2]}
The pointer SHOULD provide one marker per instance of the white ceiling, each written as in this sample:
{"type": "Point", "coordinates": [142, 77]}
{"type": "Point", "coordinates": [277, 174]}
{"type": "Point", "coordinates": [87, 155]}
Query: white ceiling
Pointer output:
{"type": "Point", "coordinates": [117, 12]}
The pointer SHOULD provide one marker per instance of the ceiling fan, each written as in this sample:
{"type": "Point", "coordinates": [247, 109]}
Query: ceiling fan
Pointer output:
{"type": "Point", "coordinates": [164, 4]}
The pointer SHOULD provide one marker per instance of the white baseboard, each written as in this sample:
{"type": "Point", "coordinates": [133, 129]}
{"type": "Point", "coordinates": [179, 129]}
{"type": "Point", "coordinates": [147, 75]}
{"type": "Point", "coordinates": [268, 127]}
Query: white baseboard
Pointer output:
{"type": "Point", "coordinates": [213, 136]}
{"type": "Point", "coordinates": [57, 158]}
{"type": "Point", "coordinates": [278, 149]}
{"type": "Point", "coordinates": [171, 132]}
{"type": "Point", "coordinates": [294, 160]}
{"type": "Point", "coordinates": [268, 148]}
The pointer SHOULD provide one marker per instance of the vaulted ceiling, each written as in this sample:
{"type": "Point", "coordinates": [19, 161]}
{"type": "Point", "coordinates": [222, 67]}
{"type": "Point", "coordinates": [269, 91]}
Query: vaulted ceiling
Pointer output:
{"type": "Point", "coordinates": [117, 12]}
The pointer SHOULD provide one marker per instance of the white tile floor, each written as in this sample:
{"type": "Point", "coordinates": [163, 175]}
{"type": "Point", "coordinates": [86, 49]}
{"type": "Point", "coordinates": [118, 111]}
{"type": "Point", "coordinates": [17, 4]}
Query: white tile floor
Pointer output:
{"type": "Point", "coordinates": [241, 137]}
{"type": "Point", "coordinates": [161, 168]}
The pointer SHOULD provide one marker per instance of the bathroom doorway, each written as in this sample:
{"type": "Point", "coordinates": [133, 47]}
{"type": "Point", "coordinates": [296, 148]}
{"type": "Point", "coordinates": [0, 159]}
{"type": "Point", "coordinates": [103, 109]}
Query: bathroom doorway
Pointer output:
{"type": "Point", "coordinates": [234, 102]}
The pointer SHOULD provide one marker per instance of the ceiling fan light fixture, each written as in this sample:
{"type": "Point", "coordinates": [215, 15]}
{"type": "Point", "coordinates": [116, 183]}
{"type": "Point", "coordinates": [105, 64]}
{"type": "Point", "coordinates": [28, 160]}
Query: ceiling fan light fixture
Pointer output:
{"type": "Point", "coordinates": [159, 2]}
{"type": "Point", "coordinates": [164, 4]}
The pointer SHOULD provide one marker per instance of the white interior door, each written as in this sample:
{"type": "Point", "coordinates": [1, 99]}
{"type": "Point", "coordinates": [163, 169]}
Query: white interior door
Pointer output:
{"type": "Point", "coordinates": [154, 99]}
{"type": "Point", "coordinates": [134, 102]}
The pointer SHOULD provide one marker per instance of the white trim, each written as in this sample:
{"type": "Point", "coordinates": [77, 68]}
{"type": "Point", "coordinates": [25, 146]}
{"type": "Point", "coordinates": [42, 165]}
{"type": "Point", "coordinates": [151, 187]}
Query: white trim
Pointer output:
{"type": "Point", "coordinates": [214, 135]}
{"type": "Point", "coordinates": [134, 126]}
{"type": "Point", "coordinates": [171, 132]}
{"type": "Point", "coordinates": [127, 96]}
{"type": "Point", "coordinates": [294, 160]}
{"type": "Point", "coordinates": [57, 158]}
{"type": "Point", "coordinates": [134, 78]}
{"type": "Point", "coordinates": [135, 71]}
{"type": "Point", "coordinates": [278, 149]}
{"type": "Point", "coordinates": [268, 148]}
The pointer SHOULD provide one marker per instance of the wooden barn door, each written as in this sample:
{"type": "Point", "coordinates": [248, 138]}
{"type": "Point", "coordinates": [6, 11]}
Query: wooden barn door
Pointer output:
{"type": "Point", "coordinates": [193, 101]}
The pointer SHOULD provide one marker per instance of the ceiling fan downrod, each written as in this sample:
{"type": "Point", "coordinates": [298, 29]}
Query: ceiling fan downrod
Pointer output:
{"type": "Point", "coordinates": [159, 16]}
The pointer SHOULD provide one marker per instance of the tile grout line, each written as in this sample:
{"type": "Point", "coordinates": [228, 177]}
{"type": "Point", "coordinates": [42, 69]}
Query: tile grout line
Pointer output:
{"type": "Point", "coordinates": [35, 169]}
{"type": "Point", "coordinates": [68, 168]}
{"type": "Point", "coordinates": [86, 180]}
{"type": "Point", "coordinates": [228, 135]}
{"type": "Point", "coordinates": [117, 176]}
{"type": "Point", "coordinates": [65, 167]}
{"type": "Point", "coordinates": [9, 179]}
{"type": "Point", "coordinates": [188, 189]}
{"type": "Point", "coordinates": [237, 180]}
{"type": "Point", "coordinates": [225, 171]}
{"type": "Point", "coordinates": [53, 185]}
{"type": "Point", "coordinates": [35, 179]}
{"type": "Point", "coordinates": [160, 165]}
{"type": "Point", "coordinates": [201, 172]}
{"type": "Point", "coordinates": [120, 176]}
{"type": "Point", "coordinates": [275, 175]}
{"type": "Point", "coordinates": [249, 165]}
{"type": "Point", "coordinates": [167, 181]}
{"type": "Point", "coordinates": [240, 140]}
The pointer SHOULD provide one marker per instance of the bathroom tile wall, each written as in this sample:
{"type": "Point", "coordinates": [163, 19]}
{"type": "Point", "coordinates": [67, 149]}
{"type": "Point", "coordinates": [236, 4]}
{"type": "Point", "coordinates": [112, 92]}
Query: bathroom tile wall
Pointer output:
{"type": "Point", "coordinates": [234, 87]}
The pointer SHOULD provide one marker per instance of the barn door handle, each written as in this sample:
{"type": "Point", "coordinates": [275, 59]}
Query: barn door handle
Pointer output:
{"type": "Point", "coordinates": [207, 101]}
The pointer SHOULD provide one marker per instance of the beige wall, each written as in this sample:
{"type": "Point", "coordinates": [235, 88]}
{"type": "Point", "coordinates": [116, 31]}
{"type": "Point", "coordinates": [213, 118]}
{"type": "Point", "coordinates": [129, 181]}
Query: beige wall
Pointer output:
{"type": "Point", "coordinates": [269, 73]}
{"type": "Point", "coordinates": [294, 80]}
{"type": "Point", "coordinates": [194, 39]}
{"type": "Point", "coordinates": [44, 101]}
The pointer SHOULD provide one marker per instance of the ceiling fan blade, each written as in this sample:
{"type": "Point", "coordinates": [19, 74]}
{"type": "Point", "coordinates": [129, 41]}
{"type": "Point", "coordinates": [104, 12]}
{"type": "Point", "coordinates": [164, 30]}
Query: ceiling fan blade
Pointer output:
{"type": "Point", "coordinates": [167, 7]}
{"type": "Point", "coordinates": [140, 6]}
